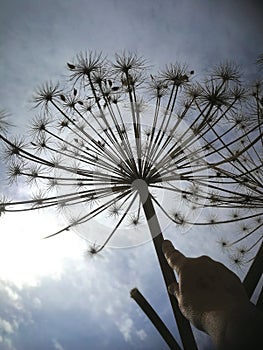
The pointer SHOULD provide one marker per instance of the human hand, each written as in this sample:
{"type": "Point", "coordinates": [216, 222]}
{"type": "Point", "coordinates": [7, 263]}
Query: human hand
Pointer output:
{"type": "Point", "coordinates": [213, 299]}
{"type": "Point", "coordinates": [204, 286]}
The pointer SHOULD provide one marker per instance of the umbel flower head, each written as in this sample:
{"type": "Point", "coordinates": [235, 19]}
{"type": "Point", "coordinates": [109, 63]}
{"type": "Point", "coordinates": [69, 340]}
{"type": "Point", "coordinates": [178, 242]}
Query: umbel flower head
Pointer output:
{"type": "Point", "coordinates": [121, 143]}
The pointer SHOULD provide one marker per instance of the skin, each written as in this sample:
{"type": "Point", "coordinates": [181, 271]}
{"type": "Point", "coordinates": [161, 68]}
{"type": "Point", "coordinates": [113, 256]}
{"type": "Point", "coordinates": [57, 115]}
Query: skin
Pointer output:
{"type": "Point", "coordinates": [214, 300]}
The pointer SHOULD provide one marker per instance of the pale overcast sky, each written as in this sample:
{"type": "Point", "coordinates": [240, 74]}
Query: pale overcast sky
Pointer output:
{"type": "Point", "coordinates": [51, 296]}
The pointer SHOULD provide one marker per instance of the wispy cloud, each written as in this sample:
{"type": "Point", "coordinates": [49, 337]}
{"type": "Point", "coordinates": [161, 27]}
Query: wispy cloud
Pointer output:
{"type": "Point", "coordinates": [7, 328]}
{"type": "Point", "coordinates": [57, 345]}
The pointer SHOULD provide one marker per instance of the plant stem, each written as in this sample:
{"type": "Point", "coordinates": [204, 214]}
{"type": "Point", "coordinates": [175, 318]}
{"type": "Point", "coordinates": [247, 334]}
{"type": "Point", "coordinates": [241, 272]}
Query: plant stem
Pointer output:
{"type": "Point", "coordinates": [254, 273]}
{"type": "Point", "coordinates": [183, 324]}
{"type": "Point", "coordinates": [155, 319]}
{"type": "Point", "coordinates": [260, 301]}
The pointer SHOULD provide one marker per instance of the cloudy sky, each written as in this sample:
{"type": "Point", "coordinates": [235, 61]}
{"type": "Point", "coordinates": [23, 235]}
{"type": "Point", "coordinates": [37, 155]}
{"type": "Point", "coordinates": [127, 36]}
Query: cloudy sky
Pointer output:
{"type": "Point", "coordinates": [52, 296]}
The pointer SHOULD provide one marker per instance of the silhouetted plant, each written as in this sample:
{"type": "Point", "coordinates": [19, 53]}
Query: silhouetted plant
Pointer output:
{"type": "Point", "coordinates": [120, 140]}
{"type": "Point", "coordinates": [116, 123]}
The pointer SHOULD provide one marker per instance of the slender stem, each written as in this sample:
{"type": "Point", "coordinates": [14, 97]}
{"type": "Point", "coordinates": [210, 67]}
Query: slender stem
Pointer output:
{"type": "Point", "coordinates": [155, 319]}
{"type": "Point", "coordinates": [254, 273]}
{"type": "Point", "coordinates": [168, 274]}
{"type": "Point", "coordinates": [260, 301]}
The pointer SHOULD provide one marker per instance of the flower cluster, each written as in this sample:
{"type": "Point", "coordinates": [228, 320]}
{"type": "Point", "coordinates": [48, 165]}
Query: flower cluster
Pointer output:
{"type": "Point", "coordinates": [195, 145]}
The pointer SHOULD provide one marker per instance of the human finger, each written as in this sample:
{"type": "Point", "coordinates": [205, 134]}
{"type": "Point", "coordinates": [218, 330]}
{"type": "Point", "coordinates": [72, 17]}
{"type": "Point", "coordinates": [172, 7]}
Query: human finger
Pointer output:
{"type": "Point", "coordinates": [174, 258]}
{"type": "Point", "coordinates": [173, 289]}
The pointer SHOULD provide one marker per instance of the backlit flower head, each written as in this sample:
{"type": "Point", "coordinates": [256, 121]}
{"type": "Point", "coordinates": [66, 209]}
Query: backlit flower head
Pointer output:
{"type": "Point", "coordinates": [121, 144]}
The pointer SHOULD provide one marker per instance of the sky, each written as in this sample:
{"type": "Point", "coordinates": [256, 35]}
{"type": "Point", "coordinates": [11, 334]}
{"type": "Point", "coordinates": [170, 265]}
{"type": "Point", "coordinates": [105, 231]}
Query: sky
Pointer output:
{"type": "Point", "coordinates": [52, 294]}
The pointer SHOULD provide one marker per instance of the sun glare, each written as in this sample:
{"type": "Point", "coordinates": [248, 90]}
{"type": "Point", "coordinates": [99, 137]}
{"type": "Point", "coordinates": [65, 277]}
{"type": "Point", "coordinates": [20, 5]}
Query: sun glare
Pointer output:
{"type": "Point", "coordinates": [25, 256]}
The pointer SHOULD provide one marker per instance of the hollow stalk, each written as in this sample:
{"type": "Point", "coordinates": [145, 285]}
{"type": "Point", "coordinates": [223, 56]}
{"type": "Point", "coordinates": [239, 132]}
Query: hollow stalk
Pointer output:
{"type": "Point", "coordinates": [183, 324]}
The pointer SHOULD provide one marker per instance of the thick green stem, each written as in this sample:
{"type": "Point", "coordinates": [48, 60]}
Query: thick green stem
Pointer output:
{"type": "Point", "coordinates": [156, 320]}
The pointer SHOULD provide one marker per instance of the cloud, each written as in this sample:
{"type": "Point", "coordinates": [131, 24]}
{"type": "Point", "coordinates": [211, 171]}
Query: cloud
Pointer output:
{"type": "Point", "coordinates": [7, 328]}
{"type": "Point", "coordinates": [7, 344]}
{"type": "Point", "coordinates": [127, 328]}
{"type": "Point", "coordinates": [11, 293]}
{"type": "Point", "coordinates": [37, 303]}
{"type": "Point", "coordinates": [57, 345]}
{"type": "Point", "coordinates": [141, 334]}
{"type": "Point", "coordinates": [125, 325]}
{"type": "Point", "coordinates": [9, 298]}
{"type": "Point", "coordinates": [90, 298]}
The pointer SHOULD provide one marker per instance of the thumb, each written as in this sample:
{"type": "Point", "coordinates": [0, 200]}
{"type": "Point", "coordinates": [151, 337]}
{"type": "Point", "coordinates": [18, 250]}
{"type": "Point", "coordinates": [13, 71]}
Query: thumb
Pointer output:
{"type": "Point", "coordinates": [174, 289]}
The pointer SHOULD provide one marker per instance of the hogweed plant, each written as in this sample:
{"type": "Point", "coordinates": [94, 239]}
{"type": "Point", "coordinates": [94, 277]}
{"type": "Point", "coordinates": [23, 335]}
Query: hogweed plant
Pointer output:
{"type": "Point", "coordinates": [119, 146]}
